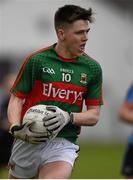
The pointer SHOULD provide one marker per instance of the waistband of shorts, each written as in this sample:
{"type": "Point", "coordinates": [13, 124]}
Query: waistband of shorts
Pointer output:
{"type": "Point", "coordinates": [56, 140]}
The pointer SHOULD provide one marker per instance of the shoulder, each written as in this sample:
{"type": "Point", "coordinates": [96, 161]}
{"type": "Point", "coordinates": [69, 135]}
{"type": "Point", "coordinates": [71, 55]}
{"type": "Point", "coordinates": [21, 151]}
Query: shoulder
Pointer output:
{"type": "Point", "coordinates": [40, 53]}
{"type": "Point", "coordinates": [36, 56]}
{"type": "Point", "coordinates": [91, 63]}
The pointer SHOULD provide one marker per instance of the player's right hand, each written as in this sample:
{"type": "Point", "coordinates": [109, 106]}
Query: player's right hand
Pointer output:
{"type": "Point", "coordinates": [23, 132]}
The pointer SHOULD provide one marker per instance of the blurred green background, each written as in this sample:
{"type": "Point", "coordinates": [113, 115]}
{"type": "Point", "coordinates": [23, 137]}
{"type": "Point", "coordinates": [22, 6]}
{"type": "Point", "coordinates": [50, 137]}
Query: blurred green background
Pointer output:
{"type": "Point", "coordinates": [96, 161]}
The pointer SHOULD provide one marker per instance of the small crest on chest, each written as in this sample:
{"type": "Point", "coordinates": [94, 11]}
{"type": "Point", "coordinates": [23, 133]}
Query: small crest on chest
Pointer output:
{"type": "Point", "coordinates": [83, 78]}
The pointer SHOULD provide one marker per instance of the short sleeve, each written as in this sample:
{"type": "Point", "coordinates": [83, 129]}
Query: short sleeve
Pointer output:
{"type": "Point", "coordinates": [24, 81]}
{"type": "Point", "coordinates": [94, 93]}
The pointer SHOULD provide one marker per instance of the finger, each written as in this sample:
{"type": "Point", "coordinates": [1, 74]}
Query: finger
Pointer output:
{"type": "Point", "coordinates": [51, 108]}
{"type": "Point", "coordinates": [56, 131]}
{"type": "Point", "coordinates": [51, 121]}
{"type": "Point", "coordinates": [49, 116]}
{"type": "Point", "coordinates": [38, 135]}
{"type": "Point", "coordinates": [39, 139]}
{"type": "Point", "coordinates": [54, 126]}
{"type": "Point", "coordinates": [37, 142]}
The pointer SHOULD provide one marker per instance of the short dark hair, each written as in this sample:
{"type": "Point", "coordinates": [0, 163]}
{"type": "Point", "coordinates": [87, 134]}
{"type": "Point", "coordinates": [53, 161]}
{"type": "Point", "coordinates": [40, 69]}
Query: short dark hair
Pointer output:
{"type": "Point", "coordinates": [70, 13]}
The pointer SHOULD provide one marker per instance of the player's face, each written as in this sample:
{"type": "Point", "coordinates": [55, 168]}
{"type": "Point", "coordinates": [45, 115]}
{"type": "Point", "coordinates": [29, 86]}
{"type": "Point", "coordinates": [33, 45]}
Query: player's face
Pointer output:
{"type": "Point", "coordinates": [76, 36]}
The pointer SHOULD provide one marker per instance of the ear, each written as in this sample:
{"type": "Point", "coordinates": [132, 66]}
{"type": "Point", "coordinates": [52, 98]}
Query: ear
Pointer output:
{"type": "Point", "coordinates": [61, 34]}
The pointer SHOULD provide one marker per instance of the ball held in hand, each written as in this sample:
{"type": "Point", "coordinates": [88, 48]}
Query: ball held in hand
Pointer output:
{"type": "Point", "coordinates": [35, 115]}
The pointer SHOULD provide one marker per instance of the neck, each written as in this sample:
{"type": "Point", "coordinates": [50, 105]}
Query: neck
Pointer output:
{"type": "Point", "coordinates": [63, 51]}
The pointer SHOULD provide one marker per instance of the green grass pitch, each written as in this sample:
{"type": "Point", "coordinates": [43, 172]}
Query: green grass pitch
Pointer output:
{"type": "Point", "coordinates": [96, 161]}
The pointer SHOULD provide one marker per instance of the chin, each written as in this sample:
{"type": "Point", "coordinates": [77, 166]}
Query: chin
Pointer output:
{"type": "Point", "coordinates": [76, 55]}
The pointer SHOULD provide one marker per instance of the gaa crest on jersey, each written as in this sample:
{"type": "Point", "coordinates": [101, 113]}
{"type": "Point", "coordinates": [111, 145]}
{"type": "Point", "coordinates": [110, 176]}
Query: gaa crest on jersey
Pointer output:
{"type": "Point", "coordinates": [83, 78]}
{"type": "Point", "coordinates": [48, 70]}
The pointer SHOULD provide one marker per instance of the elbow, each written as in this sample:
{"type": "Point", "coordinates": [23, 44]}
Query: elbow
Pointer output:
{"type": "Point", "coordinates": [95, 121]}
{"type": "Point", "coordinates": [93, 116]}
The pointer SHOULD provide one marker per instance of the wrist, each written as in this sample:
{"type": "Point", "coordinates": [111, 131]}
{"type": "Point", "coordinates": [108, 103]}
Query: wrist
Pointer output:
{"type": "Point", "coordinates": [13, 127]}
{"type": "Point", "coordinates": [71, 117]}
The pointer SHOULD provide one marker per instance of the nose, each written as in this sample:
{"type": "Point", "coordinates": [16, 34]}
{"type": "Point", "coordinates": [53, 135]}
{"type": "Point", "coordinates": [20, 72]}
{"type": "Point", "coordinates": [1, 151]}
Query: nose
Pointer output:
{"type": "Point", "coordinates": [85, 36]}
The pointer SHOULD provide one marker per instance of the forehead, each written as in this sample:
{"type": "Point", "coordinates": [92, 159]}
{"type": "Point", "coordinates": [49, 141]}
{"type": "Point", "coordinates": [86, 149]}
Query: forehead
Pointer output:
{"type": "Point", "coordinates": [79, 25]}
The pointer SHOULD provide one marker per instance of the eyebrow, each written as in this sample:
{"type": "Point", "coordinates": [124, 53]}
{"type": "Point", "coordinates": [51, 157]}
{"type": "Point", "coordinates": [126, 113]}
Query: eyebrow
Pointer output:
{"type": "Point", "coordinates": [83, 30]}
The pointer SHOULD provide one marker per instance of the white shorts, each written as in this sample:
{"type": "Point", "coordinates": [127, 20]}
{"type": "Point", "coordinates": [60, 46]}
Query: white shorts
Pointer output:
{"type": "Point", "coordinates": [26, 159]}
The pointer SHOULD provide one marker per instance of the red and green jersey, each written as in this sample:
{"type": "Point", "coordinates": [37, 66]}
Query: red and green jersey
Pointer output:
{"type": "Point", "coordinates": [47, 78]}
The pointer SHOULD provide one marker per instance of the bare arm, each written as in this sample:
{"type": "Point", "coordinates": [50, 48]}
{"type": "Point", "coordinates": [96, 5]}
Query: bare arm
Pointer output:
{"type": "Point", "coordinates": [14, 110]}
{"type": "Point", "coordinates": [19, 131]}
{"type": "Point", "coordinates": [87, 118]}
{"type": "Point", "coordinates": [57, 120]}
{"type": "Point", "coordinates": [126, 113]}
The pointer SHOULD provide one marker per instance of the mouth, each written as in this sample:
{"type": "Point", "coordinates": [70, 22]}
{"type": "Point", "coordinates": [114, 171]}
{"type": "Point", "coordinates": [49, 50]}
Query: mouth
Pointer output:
{"type": "Point", "coordinates": [82, 47]}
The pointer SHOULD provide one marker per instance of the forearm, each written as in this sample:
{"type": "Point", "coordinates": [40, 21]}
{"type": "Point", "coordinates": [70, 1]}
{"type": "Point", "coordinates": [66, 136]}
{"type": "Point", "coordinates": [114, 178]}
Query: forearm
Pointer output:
{"type": "Point", "coordinates": [87, 118]}
{"type": "Point", "coordinates": [14, 110]}
{"type": "Point", "coordinates": [126, 115]}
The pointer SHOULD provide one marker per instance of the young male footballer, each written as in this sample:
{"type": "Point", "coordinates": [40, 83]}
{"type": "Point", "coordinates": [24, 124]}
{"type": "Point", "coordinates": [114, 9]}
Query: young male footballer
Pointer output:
{"type": "Point", "coordinates": [61, 76]}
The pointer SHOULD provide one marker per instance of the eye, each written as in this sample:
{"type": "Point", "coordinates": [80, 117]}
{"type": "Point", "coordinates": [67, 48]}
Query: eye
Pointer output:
{"type": "Point", "coordinates": [88, 30]}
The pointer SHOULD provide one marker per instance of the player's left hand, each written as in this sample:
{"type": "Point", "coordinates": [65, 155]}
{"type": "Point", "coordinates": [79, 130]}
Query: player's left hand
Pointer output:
{"type": "Point", "coordinates": [57, 120]}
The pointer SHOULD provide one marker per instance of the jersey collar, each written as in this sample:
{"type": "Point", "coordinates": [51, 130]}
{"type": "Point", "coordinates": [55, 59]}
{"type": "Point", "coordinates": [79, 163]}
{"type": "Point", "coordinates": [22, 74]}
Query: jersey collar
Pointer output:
{"type": "Point", "coordinates": [63, 58]}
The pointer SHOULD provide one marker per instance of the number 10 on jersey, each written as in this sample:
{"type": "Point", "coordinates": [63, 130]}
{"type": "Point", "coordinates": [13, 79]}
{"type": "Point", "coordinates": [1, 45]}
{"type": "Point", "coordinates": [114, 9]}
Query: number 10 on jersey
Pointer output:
{"type": "Point", "coordinates": [66, 77]}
